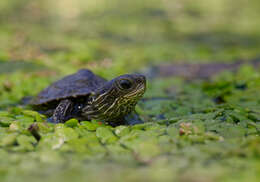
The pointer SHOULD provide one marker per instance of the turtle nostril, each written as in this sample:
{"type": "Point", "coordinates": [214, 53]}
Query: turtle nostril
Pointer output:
{"type": "Point", "coordinates": [141, 79]}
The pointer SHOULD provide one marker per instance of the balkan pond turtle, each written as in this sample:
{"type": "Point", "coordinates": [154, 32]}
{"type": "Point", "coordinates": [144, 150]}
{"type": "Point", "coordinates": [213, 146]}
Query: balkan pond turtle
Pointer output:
{"type": "Point", "coordinates": [86, 96]}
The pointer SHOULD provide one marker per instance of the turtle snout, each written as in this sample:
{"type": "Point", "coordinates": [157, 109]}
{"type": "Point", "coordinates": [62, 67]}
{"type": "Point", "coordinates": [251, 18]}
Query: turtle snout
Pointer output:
{"type": "Point", "coordinates": [141, 79]}
{"type": "Point", "coordinates": [141, 82]}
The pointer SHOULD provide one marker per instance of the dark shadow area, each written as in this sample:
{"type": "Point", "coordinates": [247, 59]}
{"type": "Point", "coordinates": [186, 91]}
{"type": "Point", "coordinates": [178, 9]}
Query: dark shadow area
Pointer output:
{"type": "Point", "coordinates": [197, 71]}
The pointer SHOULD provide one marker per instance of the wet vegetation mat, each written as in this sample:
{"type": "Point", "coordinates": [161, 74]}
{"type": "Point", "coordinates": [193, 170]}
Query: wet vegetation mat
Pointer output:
{"type": "Point", "coordinates": [201, 110]}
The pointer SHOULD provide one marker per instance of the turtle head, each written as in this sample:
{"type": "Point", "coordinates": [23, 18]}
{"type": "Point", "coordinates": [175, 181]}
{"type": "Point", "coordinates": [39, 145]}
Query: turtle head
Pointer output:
{"type": "Point", "coordinates": [116, 98]}
{"type": "Point", "coordinates": [129, 87]}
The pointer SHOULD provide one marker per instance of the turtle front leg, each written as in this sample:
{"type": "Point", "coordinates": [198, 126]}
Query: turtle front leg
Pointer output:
{"type": "Point", "coordinates": [62, 112]}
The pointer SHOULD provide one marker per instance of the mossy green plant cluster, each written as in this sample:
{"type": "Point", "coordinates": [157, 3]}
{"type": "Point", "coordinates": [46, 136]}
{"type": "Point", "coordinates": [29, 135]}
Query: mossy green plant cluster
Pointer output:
{"type": "Point", "coordinates": [194, 130]}
{"type": "Point", "coordinates": [189, 136]}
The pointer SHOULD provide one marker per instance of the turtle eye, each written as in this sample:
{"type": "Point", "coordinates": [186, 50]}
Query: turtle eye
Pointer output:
{"type": "Point", "coordinates": [125, 84]}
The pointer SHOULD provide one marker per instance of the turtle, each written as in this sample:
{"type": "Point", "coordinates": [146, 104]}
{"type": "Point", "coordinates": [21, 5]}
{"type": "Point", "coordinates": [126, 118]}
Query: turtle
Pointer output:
{"type": "Point", "coordinates": [87, 96]}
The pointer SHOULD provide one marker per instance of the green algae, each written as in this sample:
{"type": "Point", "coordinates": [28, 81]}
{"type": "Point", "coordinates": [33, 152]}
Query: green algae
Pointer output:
{"type": "Point", "coordinates": [195, 130]}
{"type": "Point", "coordinates": [188, 131]}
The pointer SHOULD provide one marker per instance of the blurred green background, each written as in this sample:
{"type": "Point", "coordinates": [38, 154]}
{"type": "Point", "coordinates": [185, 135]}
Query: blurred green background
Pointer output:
{"type": "Point", "coordinates": [126, 35]}
{"type": "Point", "coordinates": [207, 132]}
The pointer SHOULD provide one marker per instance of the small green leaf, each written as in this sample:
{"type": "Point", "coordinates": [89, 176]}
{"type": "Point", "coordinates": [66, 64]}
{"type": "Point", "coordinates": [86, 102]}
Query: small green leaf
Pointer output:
{"type": "Point", "coordinates": [122, 130]}
{"type": "Point", "coordinates": [8, 140]}
{"type": "Point", "coordinates": [105, 135]}
{"type": "Point", "coordinates": [72, 123]}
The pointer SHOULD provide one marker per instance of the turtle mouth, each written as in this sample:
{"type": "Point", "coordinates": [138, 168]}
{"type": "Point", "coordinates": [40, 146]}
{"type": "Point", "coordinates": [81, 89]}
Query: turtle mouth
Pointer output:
{"type": "Point", "coordinates": [139, 91]}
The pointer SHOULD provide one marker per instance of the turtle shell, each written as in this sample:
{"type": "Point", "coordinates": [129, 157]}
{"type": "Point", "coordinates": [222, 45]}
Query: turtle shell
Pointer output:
{"type": "Point", "coordinates": [72, 86]}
